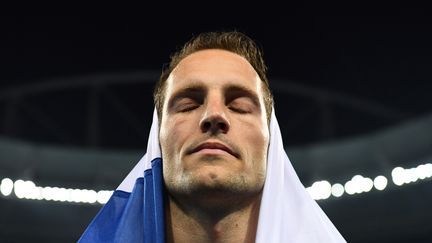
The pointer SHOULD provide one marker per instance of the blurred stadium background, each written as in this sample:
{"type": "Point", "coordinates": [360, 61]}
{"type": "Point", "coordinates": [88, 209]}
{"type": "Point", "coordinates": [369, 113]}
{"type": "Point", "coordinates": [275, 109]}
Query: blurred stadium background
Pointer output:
{"type": "Point", "coordinates": [352, 97]}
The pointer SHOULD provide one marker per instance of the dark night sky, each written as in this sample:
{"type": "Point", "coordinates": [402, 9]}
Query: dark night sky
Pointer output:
{"type": "Point", "coordinates": [393, 46]}
{"type": "Point", "coordinates": [379, 56]}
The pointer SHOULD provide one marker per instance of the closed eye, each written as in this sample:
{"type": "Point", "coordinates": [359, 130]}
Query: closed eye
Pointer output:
{"type": "Point", "coordinates": [242, 105]}
{"type": "Point", "coordinates": [187, 99]}
{"type": "Point", "coordinates": [238, 110]}
{"type": "Point", "coordinates": [186, 104]}
{"type": "Point", "coordinates": [241, 99]}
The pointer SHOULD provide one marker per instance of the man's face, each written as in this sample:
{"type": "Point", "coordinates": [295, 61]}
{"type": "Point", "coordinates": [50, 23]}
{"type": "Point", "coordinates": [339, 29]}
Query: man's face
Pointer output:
{"type": "Point", "coordinates": [214, 134]}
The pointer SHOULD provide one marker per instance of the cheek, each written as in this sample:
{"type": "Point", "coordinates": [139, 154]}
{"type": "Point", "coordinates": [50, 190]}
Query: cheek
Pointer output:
{"type": "Point", "coordinates": [166, 135]}
{"type": "Point", "coordinates": [259, 141]}
{"type": "Point", "coordinates": [260, 145]}
{"type": "Point", "coordinates": [256, 132]}
{"type": "Point", "coordinates": [260, 155]}
{"type": "Point", "coordinates": [168, 146]}
{"type": "Point", "coordinates": [172, 136]}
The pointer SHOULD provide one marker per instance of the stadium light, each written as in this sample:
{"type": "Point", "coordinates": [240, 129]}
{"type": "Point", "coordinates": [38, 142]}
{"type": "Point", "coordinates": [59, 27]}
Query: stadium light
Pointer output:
{"type": "Point", "coordinates": [320, 190]}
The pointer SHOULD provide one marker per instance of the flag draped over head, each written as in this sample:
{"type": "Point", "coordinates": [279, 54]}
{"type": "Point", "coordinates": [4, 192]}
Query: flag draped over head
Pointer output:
{"type": "Point", "coordinates": [135, 211]}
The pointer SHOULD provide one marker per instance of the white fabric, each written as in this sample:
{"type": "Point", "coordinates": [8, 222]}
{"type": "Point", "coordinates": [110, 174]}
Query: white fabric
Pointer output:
{"type": "Point", "coordinates": [287, 213]}
{"type": "Point", "coordinates": [153, 151]}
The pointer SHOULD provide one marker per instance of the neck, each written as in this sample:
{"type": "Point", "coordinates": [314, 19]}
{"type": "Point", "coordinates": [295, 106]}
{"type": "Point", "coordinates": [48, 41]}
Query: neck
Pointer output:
{"type": "Point", "coordinates": [191, 223]}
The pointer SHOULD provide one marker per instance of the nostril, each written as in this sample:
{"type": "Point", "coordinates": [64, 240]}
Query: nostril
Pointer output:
{"type": "Point", "coordinates": [206, 126]}
{"type": "Point", "coordinates": [214, 124]}
{"type": "Point", "coordinates": [222, 126]}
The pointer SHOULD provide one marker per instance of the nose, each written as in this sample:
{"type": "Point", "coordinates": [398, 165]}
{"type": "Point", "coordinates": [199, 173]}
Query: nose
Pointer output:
{"type": "Point", "coordinates": [214, 120]}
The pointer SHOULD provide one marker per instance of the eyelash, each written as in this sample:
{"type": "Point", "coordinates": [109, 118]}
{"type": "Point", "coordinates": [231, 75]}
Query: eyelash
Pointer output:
{"type": "Point", "coordinates": [189, 108]}
{"type": "Point", "coordinates": [241, 111]}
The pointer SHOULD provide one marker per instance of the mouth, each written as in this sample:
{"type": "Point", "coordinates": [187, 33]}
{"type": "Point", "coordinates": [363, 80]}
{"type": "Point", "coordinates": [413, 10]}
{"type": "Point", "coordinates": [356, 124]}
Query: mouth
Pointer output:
{"type": "Point", "coordinates": [214, 148]}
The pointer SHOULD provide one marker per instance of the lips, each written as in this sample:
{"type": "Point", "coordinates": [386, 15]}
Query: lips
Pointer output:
{"type": "Point", "coordinates": [214, 145]}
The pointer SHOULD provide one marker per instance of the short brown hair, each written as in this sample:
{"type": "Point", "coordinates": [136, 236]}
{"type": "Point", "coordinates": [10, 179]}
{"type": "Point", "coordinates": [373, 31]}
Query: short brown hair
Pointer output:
{"type": "Point", "coordinates": [232, 41]}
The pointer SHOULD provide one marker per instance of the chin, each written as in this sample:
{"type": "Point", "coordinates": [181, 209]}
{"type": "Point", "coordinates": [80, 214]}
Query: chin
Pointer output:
{"type": "Point", "coordinates": [214, 189]}
{"type": "Point", "coordinates": [221, 180]}
{"type": "Point", "coordinates": [221, 192]}
{"type": "Point", "coordinates": [217, 183]}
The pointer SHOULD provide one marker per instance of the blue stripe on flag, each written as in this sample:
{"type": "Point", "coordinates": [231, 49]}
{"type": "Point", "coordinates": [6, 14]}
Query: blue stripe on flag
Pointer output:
{"type": "Point", "coordinates": [132, 217]}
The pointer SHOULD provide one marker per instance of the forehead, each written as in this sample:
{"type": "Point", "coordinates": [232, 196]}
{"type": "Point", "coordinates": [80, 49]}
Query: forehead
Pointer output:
{"type": "Point", "coordinates": [214, 68]}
